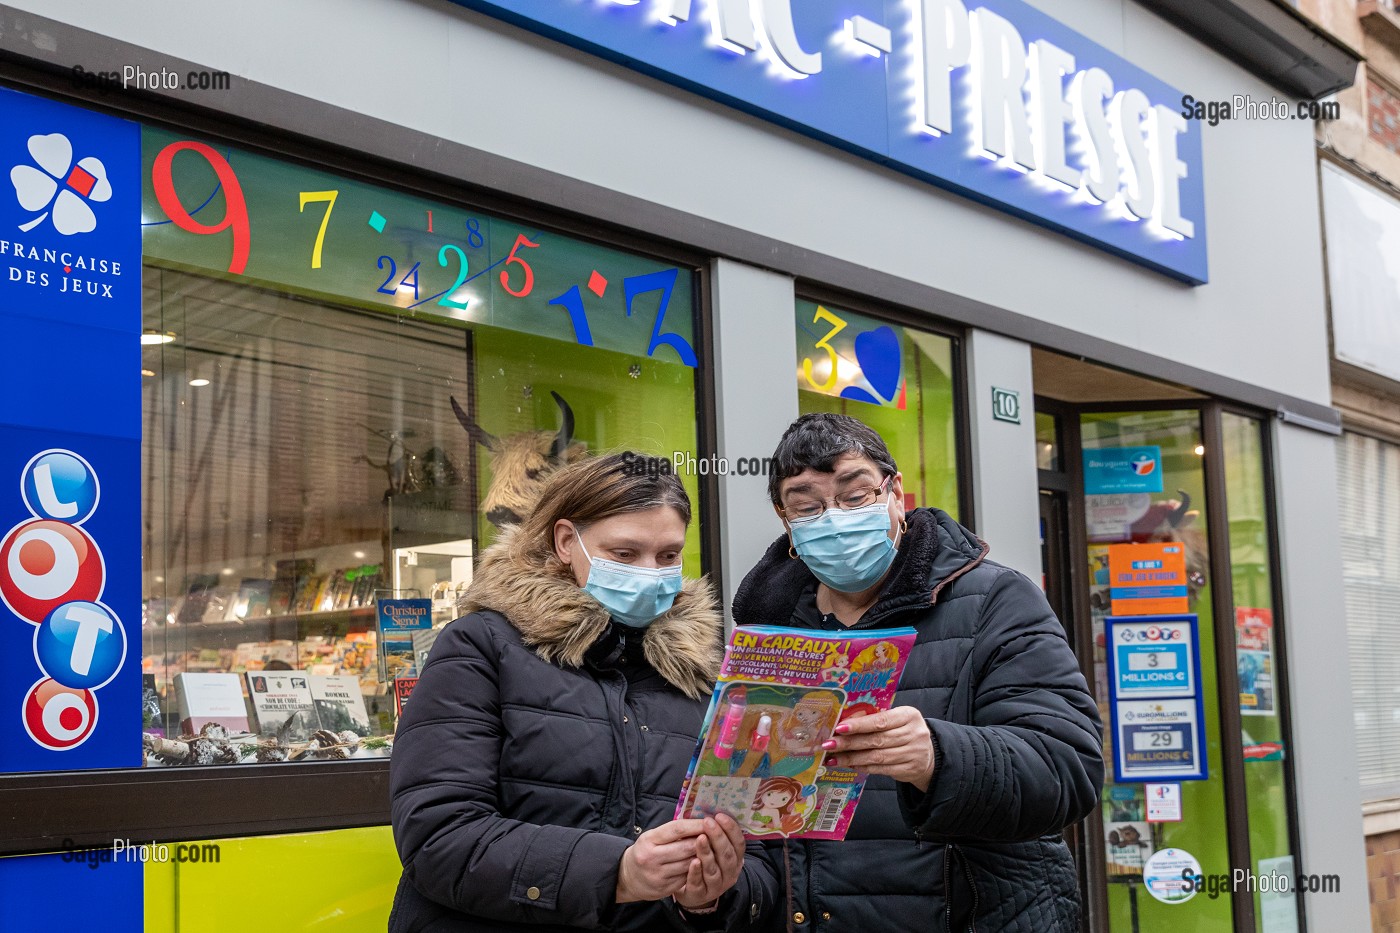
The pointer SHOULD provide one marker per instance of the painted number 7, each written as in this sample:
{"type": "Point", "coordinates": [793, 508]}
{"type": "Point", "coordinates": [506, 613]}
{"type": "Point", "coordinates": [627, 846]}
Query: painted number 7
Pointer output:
{"type": "Point", "coordinates": [824, 344]}
{"type": "Point", "coordinates": [308, 197]}
{"type": "Point", "coordinates": [663, 282]}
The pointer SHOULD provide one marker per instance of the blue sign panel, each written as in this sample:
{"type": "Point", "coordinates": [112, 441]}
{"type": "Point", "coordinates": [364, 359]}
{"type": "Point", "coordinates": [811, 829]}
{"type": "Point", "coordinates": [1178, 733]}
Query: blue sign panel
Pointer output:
{"type": "Point", "coordinates": [1156, 710]}
{"type": "Point", "coordinates": [70, 419]}
{"type": "Point", "coordinates": [999, 102]}
{"type": "Point", "coordinates": [1113, 470]}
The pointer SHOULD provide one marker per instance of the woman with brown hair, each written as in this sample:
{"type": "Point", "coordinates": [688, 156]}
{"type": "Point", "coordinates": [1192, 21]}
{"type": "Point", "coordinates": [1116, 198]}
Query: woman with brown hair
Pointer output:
{"type": "Point", "coordinates": [536, 769]}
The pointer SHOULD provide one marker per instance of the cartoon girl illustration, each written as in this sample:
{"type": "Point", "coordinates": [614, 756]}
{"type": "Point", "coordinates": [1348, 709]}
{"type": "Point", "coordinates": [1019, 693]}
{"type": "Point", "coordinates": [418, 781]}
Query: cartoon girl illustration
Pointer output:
{"type": "Point", "coordinates": [883, 656]}
{"type": "Point", "coordinates": [839, 671]}
{"type": "Point", "coordinates": [773, 805]}
{"type": "Point", "coordinates": [805, 728]}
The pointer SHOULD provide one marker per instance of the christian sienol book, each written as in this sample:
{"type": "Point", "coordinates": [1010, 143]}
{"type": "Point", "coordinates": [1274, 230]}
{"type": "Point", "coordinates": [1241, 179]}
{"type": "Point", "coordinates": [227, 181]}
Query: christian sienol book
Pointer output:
{"type": "Point", "coordinates": [780, 694]}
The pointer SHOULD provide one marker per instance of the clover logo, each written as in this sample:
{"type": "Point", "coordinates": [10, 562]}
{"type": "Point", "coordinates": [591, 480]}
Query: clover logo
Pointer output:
{"type": "Point", "coordinates": [59, 186]}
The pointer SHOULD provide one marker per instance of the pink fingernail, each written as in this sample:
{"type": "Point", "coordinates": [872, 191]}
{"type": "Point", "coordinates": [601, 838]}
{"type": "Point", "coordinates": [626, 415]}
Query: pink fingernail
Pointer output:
{"type": "Point", "coordinates": [842, 729]}
{"type": "Point", "coordinates": [828, 745]}
{"type": "Point", "coordinates": [830, 760]}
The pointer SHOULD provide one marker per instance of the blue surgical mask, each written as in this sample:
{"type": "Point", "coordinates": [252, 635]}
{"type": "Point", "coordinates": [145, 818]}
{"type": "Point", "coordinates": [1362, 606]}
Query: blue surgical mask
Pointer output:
{"type": "Point", "coordinates": [847, 549]}
{"type": "Point", "coordinates": [634, 596]}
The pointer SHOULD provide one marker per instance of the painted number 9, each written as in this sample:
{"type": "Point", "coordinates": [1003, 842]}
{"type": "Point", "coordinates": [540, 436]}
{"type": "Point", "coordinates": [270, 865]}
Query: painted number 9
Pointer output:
{"type": "Point", "coordinates": [235, 207]}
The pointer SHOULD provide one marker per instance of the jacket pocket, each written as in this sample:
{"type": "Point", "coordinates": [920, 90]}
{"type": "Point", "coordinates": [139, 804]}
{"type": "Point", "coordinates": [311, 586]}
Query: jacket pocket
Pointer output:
{"type": "Point", "coordinates": [960, 896]}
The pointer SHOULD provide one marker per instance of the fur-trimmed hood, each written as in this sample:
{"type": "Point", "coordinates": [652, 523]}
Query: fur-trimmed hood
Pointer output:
{"type": "Point", "coordinates": [555, 617]}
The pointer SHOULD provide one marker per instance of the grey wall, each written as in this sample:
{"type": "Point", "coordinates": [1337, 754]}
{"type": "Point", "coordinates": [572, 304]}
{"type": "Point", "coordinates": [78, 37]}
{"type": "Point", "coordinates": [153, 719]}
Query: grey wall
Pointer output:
{"type": "Point", "coordinates": [436, 67]}
{"type": "Point", "coordinates": [1006, 488]}
{"type": "Point", "coordinates": [755, 402]}
{"type": "Point", "coordinates": [1324, 738]}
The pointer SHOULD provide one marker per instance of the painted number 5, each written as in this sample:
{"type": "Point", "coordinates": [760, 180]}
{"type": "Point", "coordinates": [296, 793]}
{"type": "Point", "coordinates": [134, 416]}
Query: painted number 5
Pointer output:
{"type": "Point", "coordinates": [824, 344]}
{"type": "Point", "coordinates": [529, 282]}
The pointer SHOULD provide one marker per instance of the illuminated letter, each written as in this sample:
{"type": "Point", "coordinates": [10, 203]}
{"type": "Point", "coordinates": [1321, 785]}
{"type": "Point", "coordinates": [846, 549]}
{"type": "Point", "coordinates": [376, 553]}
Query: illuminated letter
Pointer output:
{"type": "Point", "coordinates": [1126, 115]}
{"type": "Point", "coordinates": [782, 36]}
{"type": "Point", "coordinates": [945, 44]}
{"type": "Point", "coordinates": [1167, 126]}
{"type": "Point", "coordinates": [733, 26]}
{"type": "Point", "coordinates": [1088, 92]}
{"type": "Point", "coordinates": [672, 12]}
{"type": "Point", "coordinates": [1049, 65]}
{"type": "Point", "coordinates": [999, 70]}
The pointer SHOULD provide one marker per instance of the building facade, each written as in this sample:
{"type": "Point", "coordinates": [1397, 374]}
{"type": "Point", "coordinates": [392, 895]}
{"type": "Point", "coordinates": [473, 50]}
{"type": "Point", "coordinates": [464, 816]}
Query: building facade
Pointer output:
{"type": "Point", "coordinates": [385, 263]}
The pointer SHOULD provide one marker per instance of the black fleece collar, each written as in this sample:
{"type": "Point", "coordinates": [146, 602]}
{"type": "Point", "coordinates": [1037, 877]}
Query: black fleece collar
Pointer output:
{"type": "Point", "coordinates": [931, 552]}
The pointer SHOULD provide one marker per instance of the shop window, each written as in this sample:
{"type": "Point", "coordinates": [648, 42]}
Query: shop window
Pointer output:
{"type": "Point", "coordinates": [1368, 473]}
{"type": "Point", "coordinates": [347, 391]}
{"type": "Point", "coordinates": [898, 380]}
{"type": "Point", "coordinates": [1258, 660]}
{"type": "Point", "coordinates": [1047, 442]}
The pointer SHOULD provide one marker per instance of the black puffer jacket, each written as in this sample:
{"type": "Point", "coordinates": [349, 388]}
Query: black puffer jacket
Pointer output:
{"type": "Point", "coordinates": [540, 741]}
{"type": "Point", "coordinates": [1017, 743]}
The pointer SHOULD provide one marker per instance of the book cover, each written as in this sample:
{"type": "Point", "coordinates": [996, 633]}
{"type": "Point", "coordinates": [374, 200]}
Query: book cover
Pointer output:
{"type": "Point", "coordinates": [780, 694]}
{"type": "Point", "coordinates": [340, 705]}
{"type": "Point", "coordinates": [282, 704]}
{"type": "Point", "coordinates": [203, 698]}
{"type": "Point", "coordinates": [401, 622]}
{"type": "Point", "coordinates": [403, 689]}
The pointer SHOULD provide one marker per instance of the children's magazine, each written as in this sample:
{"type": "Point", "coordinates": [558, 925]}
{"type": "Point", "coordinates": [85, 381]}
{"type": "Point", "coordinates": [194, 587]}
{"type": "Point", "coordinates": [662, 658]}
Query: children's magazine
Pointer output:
{"type": "Point", "coordinates": [780, 694]}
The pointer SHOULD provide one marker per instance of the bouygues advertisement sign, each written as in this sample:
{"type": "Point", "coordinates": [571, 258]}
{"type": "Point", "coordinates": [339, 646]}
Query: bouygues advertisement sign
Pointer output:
{"type": "Point", "coordinates": [992, 100]}
{"type": "Point", "coordinates": [70, 555]}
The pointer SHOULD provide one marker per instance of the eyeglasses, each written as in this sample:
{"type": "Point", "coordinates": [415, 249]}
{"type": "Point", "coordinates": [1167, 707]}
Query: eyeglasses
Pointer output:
{"type": "Point", "coordinates": [810, 508]}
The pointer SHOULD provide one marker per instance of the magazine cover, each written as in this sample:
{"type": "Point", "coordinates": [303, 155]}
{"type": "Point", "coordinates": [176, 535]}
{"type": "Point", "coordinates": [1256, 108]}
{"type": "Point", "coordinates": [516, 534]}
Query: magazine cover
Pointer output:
{"type": "Point", "coordinates": [780, 694]}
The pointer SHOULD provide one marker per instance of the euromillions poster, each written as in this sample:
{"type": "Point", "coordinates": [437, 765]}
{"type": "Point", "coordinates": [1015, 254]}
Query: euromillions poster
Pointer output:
{"type": "Point", "coordinates": [70, 564]}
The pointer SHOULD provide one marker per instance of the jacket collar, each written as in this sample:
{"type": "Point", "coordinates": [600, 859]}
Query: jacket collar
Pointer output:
{"type": "Point", "coordinates": [934, 551]}
{"type": "Point", "coordinates": [535, 592]}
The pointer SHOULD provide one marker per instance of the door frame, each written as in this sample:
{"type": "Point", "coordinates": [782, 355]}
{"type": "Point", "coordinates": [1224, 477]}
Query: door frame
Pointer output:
{"type": "Point", "coordinates": [1069, 481]}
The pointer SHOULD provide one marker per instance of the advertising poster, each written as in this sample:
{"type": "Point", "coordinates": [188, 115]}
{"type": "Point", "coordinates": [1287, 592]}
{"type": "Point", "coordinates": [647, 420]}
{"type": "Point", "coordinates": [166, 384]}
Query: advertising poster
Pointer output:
{"type": "Point", "coordinates": [70, 467]}
{"type": "Point", "coordinates": [1166, 874]}
{"type": "Point", "coordinates": [1111, 517]}
{"type": "Point", "coordinates": [1147, 579]}
{"type": "Point", "coordinates": [1116, 470]}
{"type": "Point", "coordinates": [1153, 658]}
{"type": "Point", "coordinates": [1127, 847]}
{"type": "Point", "coordinates": [1156, 739]}
{"type": "Point", "coordinates": [1254, 656]}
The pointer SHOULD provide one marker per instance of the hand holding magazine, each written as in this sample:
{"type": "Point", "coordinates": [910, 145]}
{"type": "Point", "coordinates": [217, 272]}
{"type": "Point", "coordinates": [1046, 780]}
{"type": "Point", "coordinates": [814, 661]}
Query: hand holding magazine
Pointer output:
{"type": "Point", "coordinates": [780, 694]}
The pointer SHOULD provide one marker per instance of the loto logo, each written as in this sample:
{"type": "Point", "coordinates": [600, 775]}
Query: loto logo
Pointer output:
{"type": "Point", "coordinates": [52, 575]}
{"type": "Point", "coordinates": [59, 188]}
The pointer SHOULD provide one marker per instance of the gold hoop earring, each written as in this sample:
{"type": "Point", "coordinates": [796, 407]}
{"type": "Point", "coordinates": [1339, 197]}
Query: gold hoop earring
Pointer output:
{"type": "Point", "coordinates": [903, 526]}
{"type": "Point", "coordinates": [792, 552]}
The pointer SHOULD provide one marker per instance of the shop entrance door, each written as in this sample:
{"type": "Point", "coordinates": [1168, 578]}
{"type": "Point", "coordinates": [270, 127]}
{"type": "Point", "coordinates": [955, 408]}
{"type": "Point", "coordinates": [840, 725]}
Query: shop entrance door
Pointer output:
{"type": "Point", "coordinates": [1125, 476]}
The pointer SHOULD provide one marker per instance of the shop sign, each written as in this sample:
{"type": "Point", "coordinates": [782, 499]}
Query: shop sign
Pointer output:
{"type": "Point", "coordinates": [1153, 659]}
{"type": "Point", "coordinates": [1163, 803]}
{"type": "Point", "coordinates": [995, 101]}
{"type": "Point", "coordinates": [1147, 579]}
{"type": "Point", "coordinates": [1157, 718]}
{"type": "Point", "coordinates": [1115, 470]}
{"type": "Point", "coordinates": [70, 562]}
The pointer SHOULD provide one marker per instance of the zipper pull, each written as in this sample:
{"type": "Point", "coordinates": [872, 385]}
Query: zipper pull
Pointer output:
{"type": "Point", "coordinates": [918, 838]}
